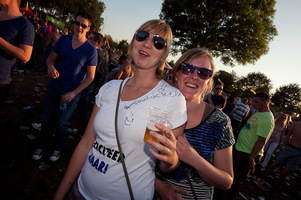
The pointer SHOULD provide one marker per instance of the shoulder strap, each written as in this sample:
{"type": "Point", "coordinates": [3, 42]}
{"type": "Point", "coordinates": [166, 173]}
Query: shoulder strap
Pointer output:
{"type": "Point", "coordinates": [209, 109]}
{"type": "Point", "coordinates": [119, 146]}
{"type": "Point", "coordinates": [190, 183]}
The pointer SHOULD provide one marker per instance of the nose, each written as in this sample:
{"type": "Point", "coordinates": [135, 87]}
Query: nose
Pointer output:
{"type": "Point", "coordinates": [148, 42]}
{"type": "Point", "coordinates": [194, 75]}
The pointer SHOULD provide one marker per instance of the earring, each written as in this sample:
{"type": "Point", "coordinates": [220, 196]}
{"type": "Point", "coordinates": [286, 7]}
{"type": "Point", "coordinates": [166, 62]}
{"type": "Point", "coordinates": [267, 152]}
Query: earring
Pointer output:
{"type": "Point", "coordinates": [176, 79]}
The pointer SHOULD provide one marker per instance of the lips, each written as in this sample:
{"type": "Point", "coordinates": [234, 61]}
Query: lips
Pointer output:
{"type": "Point", "coordinates": [191, 85]}
{"type": "Point", "coordinates": [144, 53]}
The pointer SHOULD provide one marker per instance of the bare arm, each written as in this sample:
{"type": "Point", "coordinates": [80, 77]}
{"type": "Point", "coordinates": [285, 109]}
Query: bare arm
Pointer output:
{"type": "Point", "coordinates": [87, 81]}
{"type": "Point", "coordinates": [22, 53]}
{"type": "Point", "coordinates": [224, 103]}
{"type": "Point", "coordinates": [259, 144]}
{"type": "Point", "coordinates": [220, 174]}
{"type": "Point", "coordinates": [78, 158]}
{"type": "Point", "coordinates": [289, 134]}
{"type": "Point", "coordinates": [167, 191]}
{"type": "Point", "coordinates": [52, 72]}
{"type": "Point", "coordinates": [48, 41]}
{"type": "Point", "coordinates": [233, 110]}
{"type": "Point", "coordinates": [282, 135]}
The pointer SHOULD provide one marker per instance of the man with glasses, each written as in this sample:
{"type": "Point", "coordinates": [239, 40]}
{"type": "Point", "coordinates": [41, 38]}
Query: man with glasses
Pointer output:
{"type": "Point", "coordinates": [217, 99]}
{"type": "Point", "coordinates": [71, 67]}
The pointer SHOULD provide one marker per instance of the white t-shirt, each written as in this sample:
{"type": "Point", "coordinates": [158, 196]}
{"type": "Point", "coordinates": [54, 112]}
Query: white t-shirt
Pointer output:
{"type": "Point", "coordinates": [102, 176]}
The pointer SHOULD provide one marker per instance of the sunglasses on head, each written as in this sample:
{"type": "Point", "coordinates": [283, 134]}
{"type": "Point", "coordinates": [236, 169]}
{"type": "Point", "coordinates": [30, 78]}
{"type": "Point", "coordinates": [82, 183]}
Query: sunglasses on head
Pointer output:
{"type": "Point", "coordinates": [159, 42]}
{"type": "Point", "coordinates": [203, 73]}
{"type": "Point", "coordinates": [77, 23]}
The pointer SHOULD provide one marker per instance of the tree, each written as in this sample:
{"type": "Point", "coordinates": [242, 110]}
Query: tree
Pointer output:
{"type": "Point", "coordinates": [124, 46]}
{"type": "Point", "coordinates": [237, 31]}
{"type": "Point", "coordinates": [227, 78]}
{"type": "Point", "coordinates": [255, 81]}
{"type": "Point", "coordinates": [287, 97]}
{"type": "Point", "coordinates": [66, 10]}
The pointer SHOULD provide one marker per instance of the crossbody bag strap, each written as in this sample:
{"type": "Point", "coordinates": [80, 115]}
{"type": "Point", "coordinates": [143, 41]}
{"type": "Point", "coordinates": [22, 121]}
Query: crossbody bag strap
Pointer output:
{"type": "Point", "coordinates": [119, 146]}
{"type": "Point", "coordinates": [190, 183]}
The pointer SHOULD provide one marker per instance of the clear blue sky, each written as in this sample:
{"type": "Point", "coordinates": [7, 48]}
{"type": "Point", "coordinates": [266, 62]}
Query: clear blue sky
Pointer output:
{"type": "Point", "coordinates": [281, 64]}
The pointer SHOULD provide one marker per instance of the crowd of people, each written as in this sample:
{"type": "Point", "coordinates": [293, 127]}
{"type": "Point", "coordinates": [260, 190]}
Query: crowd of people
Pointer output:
{"type": "Point", "coordinates": [212, 144]}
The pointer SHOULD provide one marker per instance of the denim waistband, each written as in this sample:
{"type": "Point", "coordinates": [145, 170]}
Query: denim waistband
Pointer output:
{"type": "Point", "coordinates": [294, 147]}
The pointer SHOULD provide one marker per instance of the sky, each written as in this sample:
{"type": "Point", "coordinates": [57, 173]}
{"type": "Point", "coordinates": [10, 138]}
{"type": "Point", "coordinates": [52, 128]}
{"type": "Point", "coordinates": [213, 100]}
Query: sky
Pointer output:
{"type": "Point", "coordinates": [281, 64]}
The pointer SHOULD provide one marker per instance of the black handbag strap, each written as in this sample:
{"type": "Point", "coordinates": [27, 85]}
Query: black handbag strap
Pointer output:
{"type": "Point", "coordinates": [190, 183]}
{"type": "Point", "coordinates": [119, 146]}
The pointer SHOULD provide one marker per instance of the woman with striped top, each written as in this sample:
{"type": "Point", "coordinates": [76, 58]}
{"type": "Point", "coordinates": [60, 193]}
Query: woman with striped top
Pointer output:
{"type": "Point", "coordinates": [205, 148]}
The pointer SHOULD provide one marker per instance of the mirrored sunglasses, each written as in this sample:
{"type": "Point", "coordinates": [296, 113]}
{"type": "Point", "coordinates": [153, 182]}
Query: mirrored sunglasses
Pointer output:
{"type": "Point", "coordinates": [203, 73]}
{"type": "Point", "coordinates": [77, 23]}
{"type": "Point", "coordinates": [159, 42]}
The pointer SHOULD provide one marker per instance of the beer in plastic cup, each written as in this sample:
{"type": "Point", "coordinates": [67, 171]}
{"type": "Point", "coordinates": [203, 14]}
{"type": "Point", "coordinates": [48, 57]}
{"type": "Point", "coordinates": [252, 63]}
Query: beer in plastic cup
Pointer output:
{"type": "Point", "coordinates": [156, 116]}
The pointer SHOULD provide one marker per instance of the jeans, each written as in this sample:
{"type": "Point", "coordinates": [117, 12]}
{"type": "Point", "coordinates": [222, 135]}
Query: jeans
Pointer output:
{"type": "Point", "coordinates": [4, 91]}
{"type": "Point", "coordinates": [83, 106]}
{"type": "Point", "coordinates": [52, 116]}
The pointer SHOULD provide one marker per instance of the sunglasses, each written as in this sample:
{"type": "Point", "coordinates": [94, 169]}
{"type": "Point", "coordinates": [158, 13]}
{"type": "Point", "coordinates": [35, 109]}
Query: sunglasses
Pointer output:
{"type": "Point", "coordinates": [77, 23]}
{"type": "Point", "coordinates": [203, 73]}
{"type": "Point", "coordinates": [218, 88]}
{"type": "Point", "coordinates": [159, 42]}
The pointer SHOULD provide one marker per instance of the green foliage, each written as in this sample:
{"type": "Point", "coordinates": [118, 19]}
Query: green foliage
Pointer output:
{"type": "Point", "coordinates": [287, 97]}
{"type": "Point", "coordinates": [66, 10]}
{"type": "Point", "coordinates": [236, 31]}
{"type": "Point", "coordinates": [259, 82]}
{"type": "Point", "coordinates": [112, 42]}
{"type": "Point", "coordinates": [124, 46]}
{"type": "Point", "coordinates": [226, 78]}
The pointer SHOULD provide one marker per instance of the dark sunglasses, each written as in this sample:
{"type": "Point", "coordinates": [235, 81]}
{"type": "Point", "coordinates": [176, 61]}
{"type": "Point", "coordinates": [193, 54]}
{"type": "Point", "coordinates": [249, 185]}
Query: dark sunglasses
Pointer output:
{"type": "Point", "coordinates": [77, 23]}
{"type": "Point", "coordinates": [159, 42]}
{"type": "Point", "coordinates": [203, 73]}
{"type": "Point", "coordinates": [218, 88]}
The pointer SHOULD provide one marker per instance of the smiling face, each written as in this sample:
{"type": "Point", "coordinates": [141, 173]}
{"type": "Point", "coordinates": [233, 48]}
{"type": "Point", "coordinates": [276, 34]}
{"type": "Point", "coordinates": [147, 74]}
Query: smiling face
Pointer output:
{"type": "Point", "coordinates": [192, 86]}
{"type": "Point", "coordinates": [79, 31]}
{"type": "Point", "coordinates": [218, 89]}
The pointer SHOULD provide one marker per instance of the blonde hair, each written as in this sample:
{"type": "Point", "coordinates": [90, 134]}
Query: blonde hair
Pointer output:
{"type": "Point", "coordinates": [279, 116]}
{"type": "Point", "coordinates": [157, 26]}
{"type": "Point", "coordinates": [188, 57]}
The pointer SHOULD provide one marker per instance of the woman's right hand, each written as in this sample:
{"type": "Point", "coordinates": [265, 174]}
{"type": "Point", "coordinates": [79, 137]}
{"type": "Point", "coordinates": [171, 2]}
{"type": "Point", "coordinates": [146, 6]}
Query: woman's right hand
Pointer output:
{"type": "Point", "coordinates": [167, 148]}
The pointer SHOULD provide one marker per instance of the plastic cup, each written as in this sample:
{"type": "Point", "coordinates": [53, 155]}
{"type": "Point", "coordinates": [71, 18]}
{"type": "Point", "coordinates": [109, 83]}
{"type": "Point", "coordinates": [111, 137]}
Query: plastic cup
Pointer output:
{"type": "Point", "coordinates": [156, 116]}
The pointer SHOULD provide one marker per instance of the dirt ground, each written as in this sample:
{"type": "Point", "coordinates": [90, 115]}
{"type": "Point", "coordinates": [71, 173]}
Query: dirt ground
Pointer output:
{"type": "Point", "coordinates": [20, 176]}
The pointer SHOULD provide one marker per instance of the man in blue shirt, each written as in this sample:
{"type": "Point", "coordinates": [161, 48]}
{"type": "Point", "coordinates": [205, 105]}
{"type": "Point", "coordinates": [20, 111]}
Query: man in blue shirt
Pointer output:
{"type": "Point", "coordinates": [71, 67]}
{"type": "Point", "coordinates": [16, 41]}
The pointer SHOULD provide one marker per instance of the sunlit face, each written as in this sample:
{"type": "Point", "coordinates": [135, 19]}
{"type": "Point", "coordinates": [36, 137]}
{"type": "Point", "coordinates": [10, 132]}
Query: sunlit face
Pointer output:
{"type": "Point", "coordinates": [218, 89]}
{"type": "Point", "coordinates": [92, 40]}
{"type": "Point", "coordinates": [79, 30]}
{"type": "Point", "coordinates": [192, 86]}
{"type": "Point", "coordinates": [258, 104]}
{"type": "Point", "coordinates": [145, 55]}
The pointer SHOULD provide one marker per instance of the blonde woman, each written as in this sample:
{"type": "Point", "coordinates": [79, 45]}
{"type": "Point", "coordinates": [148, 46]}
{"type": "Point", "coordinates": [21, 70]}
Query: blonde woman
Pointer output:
{"type": "Point", "coordinates": [95, 170]}
{"type": "Point", "coordinates": [205, 148]}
